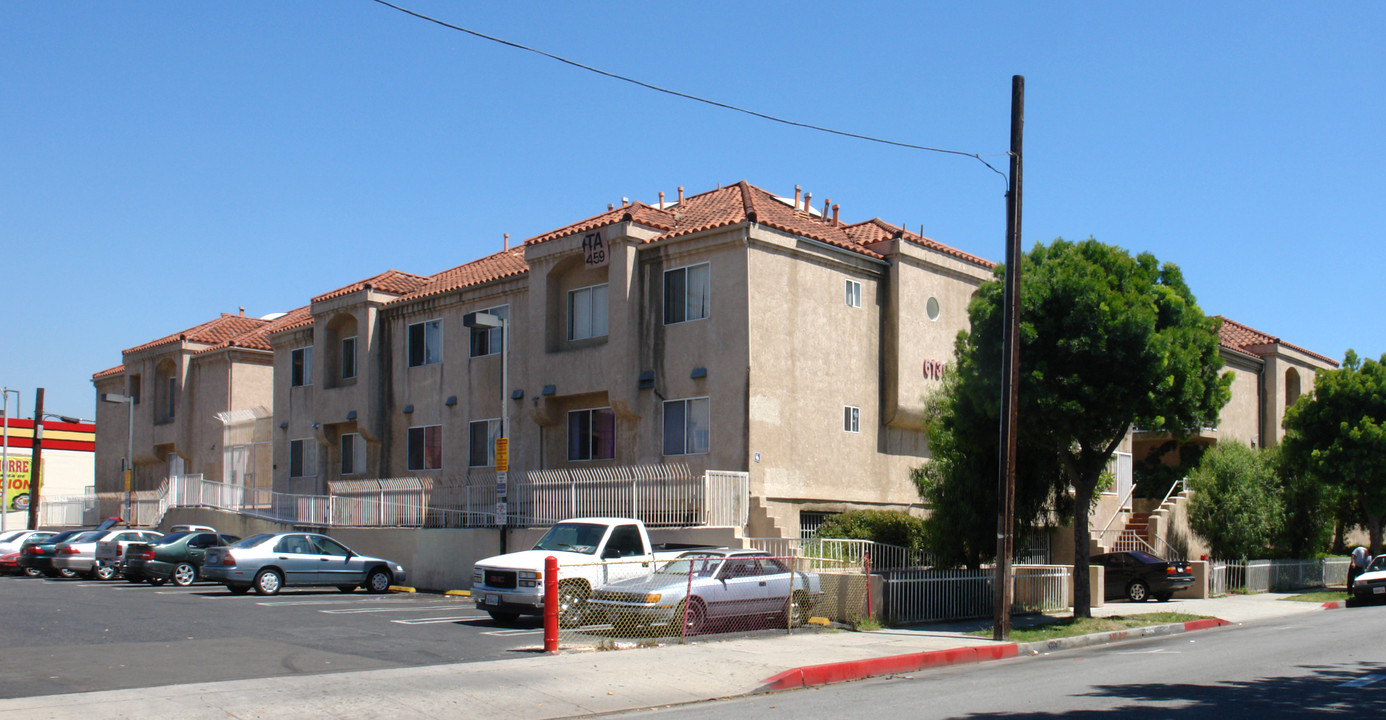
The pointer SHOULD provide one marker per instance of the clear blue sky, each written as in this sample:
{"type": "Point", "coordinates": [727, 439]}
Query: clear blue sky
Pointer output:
{"type": "Point", "coordinates": [165, 162]}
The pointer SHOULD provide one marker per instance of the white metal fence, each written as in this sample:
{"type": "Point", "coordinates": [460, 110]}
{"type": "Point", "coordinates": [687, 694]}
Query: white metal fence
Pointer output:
{"type": "Point", "coordinates": [916, 596]}
{"type": "Point", "coordinates": [1258, 576]}
{"type": "Point", "coordinates": [882, 555]}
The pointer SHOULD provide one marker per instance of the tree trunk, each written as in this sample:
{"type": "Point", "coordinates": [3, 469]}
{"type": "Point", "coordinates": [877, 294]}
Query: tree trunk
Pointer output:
{"type": "Point", "coordinates": [1082, 549]}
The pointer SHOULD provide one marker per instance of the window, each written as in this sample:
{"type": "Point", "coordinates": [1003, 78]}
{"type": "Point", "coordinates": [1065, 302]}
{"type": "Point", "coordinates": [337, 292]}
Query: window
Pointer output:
{"type": "Point", "coordinates": [587, 313]}
{"type": "Point", "coordinates": [171, 397]}
{"type": "Point", "coordinates": [348, 358]}
{"type": "Point", "coordinates": [302, 363]}
{"type": "Point", "coordinates": [853, 294]}
{"type": "Point", "coordinates": [624, 542]}
{"type": "Point", "coordinates": [353, 454]}
{"type": "Point", "coordinates": [303, 460]}
{"type": "Point", "coordinates": [686, 294]}
{"type": "Point", "coordinates": [591, 434]}
{"type": "Point", "coordinates": [851, 419]}
{"type": "Point", "coordinates": [481, 443]}
{"type": "Point", "coordinates": [426, 447]}
{"type": "Point", "coordinates": [425, 343]}
{"type": "Point", "coordinates": [686, 426]}
{"type": "Point", "coordinates": [488, 341]}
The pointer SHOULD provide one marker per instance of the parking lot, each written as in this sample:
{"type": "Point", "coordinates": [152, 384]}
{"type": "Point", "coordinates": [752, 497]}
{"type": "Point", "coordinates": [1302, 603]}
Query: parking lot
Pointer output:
{"type": "Point", "coordinates": [77, 635]}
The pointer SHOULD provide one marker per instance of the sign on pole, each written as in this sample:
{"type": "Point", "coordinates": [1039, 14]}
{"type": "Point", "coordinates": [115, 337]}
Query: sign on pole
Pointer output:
{"type": "Point", "coordinates": [502, 484]}
{"type": "Point", "coordinates": [502, 454]}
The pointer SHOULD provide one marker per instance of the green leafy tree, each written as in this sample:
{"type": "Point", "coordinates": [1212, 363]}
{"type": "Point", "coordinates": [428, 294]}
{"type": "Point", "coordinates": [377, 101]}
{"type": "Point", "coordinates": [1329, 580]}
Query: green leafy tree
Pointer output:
{"type": "Point", "coordinates": [1337, 435]}
{"type": "Point", "coordinates": [1107, 340]}
{"type": "Point", "coordinates": [1312, 509]}
{"type": "Point", "coordinates": [1237, 505]}
{"type": "Point", "coordinates": [884, 526]}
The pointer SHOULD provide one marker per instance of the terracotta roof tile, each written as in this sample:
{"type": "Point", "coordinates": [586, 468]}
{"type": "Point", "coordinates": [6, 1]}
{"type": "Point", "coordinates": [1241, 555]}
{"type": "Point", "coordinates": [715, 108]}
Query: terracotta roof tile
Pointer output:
{"type": "Point", "coordinates": [504, 264]}
{"type": "Point", "coordinates": [259, 339]}
{"type": "Point", "coordinates": [108, 372]}
{"type": "Point", "coordinates": [226, 327]}
{"type": "Point", "coordinates": [1242, 338]}
{"type": "Point", "coordinates": [877, 230]}
{"type": "Point", "coordinates": [390, 281]}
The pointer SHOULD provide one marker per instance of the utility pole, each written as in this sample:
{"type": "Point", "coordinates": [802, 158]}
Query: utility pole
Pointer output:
{"type": "Point", "coordinates": [1010, 350]}
{"type": "Point", "coordinates": [36, 464]}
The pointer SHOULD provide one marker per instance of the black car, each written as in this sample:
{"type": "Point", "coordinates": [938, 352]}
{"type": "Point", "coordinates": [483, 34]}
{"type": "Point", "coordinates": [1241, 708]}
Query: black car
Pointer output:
{"type": "Point", "coordinates": [36, 558]}
{"type": "Point", "coordinates": [1139, 576]}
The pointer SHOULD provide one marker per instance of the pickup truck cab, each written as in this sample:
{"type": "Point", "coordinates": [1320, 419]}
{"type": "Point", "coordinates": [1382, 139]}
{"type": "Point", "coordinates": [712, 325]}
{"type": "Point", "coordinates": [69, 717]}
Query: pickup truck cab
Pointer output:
{"type": "Point", "coordinates": [591, 552]}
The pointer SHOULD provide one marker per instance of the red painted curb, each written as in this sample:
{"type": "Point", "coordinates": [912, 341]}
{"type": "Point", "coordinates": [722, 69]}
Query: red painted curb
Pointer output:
{"type": "Point", "coordinates": [1204, 624]}
{"type": "Point", "coordinates": [858, 669]}
{"type": "Point", "coordinates": [1335, 605]}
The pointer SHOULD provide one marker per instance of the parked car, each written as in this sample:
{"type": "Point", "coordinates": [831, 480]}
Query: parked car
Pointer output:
{"type": "Point", "coordinates": [271, 561]}
{"type": "Point", "coordinates": [1139, 576]}
{"type": "Point", "coordinates": [78, 554]}
{"type": "Point", "coordinates": [1370, 586]}
{"type": "Point", "coordinates": [9, 563]}
{"type": "Point", "coordinates": [37, 557]}
{"type": "Point", "coordinates": [175, 557]}
{"type": "Point", "coordinates": [13, 540]}
{"type": "Point", "coordinates": [113, 551]}
{"type": "Point", "coordinates": [703, 586]}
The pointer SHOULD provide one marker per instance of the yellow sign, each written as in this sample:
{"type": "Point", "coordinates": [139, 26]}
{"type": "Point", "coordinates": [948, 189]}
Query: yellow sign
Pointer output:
{"type": "Point", "coordinates": [502, 454]}
{"type": "Point", "coordinates": [17, 485]}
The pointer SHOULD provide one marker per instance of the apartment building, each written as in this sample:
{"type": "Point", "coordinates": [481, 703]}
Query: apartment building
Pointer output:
{"type": "Point", "coordinates": [731, 330]}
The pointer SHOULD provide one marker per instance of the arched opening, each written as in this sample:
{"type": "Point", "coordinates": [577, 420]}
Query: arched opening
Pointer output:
{"type": "Point", "coordinates": [343, 361]}
{"type": "Point", "coordinates": [1292, 389]}
{"type": "Point", "coordinates": [165, 391]}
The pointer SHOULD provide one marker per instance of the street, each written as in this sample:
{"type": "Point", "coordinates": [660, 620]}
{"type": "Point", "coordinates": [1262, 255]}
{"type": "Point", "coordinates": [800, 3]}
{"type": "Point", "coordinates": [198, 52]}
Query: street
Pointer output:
{"type": "Point", "coordinates": [1327, 664]}
{"type": "Point", "coordinates": [71, 635]}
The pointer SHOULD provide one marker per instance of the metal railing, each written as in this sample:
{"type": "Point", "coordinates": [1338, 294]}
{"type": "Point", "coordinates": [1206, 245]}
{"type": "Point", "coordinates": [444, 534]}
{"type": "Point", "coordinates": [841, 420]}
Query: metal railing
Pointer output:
{"type": "Point", "coordinates": [1259, 576]}
{"type": "Point", "coordinates": [916, 596]}
{"type": "Point", "coordinates": [883, 556]}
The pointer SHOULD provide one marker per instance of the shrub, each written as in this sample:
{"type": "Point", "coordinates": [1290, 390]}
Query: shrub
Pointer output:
{"type": "Point", "coordinates": [884, 526]}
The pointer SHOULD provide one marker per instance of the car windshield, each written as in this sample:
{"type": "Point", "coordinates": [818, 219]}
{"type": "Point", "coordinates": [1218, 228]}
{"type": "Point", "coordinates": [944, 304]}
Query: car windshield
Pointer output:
{"type": "Point", "coordinates": [1379, 563]}
{"type": "Point", "coordinates": [91, 536]}
{"type": "Point", "coordinates": [1145, 557]}
{"type": "Point", "coordinates": [702, 564]}
{"type": "Point", "coordinates": [11, 535]}
{"type": "Point", "coordinates": [170, 538]}
{"type": "Point", "coordinates": [55, 539]}
{"type": "Point", "coordinates": [253, 540]}
{"type": "Point", "coordinates": [573, 537]}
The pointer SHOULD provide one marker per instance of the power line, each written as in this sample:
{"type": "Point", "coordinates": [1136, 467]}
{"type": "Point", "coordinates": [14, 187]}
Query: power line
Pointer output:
{"type": "Point", "coordinates": [686, 96]}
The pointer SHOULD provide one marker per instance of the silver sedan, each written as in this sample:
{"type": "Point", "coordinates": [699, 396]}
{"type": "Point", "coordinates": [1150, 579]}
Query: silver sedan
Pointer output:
{"type": "Point", "coordinates": [272, 561]}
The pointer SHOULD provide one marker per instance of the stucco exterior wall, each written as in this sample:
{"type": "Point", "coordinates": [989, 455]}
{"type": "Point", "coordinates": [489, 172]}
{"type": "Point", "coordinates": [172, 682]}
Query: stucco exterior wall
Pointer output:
{"type": "Point", "coordinates": [1240, 418]}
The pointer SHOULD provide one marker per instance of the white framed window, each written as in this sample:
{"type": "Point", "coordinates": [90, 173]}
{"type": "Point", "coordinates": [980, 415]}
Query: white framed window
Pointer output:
{"type": "Point", "coordinates": [348, 357]}
{"type": "Point", "coordinates": [303, 458]}
{"type": "Point", "coordinates": [851, 419]}
{"type": "Point", "coordinates": [353, 454]}
{"type": "Point", "coordinates": [488, 341]}
{"type": "Point", "coordinates": [425, 447]}
{"type": "Point", "coordinates": [853, 294]}
{"type": "Point", "coordinates": [686, 426]}
{"type": "Point", "coordinates": [481, 442]}
{"type": "Point", "coordinates": [591, 434]}
{"type": "Point", "coordinates": [301, 361]}
{"type": "Point", "coordinates": [686, 293]}
{"type": "Point", "coordinates": [426, 343]}
{"type": "Point", "coordinates": [587, 312]}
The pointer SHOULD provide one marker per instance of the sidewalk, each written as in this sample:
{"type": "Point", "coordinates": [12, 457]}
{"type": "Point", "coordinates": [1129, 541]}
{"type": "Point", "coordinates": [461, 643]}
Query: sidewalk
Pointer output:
{"type": "Point", "coordinates": [585, 682]}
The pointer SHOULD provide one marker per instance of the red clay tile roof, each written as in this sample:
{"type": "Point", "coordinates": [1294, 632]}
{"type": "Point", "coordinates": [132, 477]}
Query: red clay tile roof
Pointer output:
{"type": "Point", "coordinates": [504, 264]}
{"type": "Point", "coordinates": [108, 372]}
{"type": "Point", "coordinates": [1239, 337]}
{"type": "Point", "coordinates": [877, 230]}
{"type": "Point", "coordinates": [259, 339]}
{"type": "Point", "coordinates": [226, 327]}
{"type": "Point", "coordinates": [744, 202]}
{"type": "Point", "coordinates": [390, 281]}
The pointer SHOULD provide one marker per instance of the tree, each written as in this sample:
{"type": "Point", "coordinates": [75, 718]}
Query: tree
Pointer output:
{"type": "Point", "coordinates": [883, 526]}
{"type": "Point", "coordinates": [1106, 341]}
{"type": "Point", "coordinates": [1337, 435]}
{"type": "Point", "coordinates": [1237, 505]}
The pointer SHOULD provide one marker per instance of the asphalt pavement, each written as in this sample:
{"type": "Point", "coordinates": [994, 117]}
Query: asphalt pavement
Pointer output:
{"type": "Point", "coordinates": [577, 683]}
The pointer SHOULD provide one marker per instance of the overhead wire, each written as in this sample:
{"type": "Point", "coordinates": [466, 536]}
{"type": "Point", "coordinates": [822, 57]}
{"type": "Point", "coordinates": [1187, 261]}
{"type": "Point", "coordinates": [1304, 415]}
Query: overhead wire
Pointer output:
{"type": "Point", "coordinates": [687, 96]}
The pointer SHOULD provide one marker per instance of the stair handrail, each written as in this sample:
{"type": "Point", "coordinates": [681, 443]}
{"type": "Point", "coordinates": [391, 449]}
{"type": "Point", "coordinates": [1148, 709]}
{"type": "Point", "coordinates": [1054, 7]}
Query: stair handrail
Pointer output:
{"type": "Point", "coordinates": [1120, 505]}
{"type": "Point", "coordinates": [1181, 481]}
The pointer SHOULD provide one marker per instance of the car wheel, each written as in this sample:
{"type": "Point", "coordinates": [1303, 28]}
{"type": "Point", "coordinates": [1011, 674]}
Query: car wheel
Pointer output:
{"type": "Point", "coordinates": [572, 603]}
{"type": "Point", "coordinates": [378, 581]}
{"type": "Point", "coordinates": [1137, 591]}
{"type": "Point", "coordinates": [268, 582]}
{"type": "Point", "coordinates": [797, 610]}
{"type": "Point", "coordinates": [32, 572]}
{"type": "Point", "coordinates": [694, 616]}
{"type": "Point", "coordinates": [67, 572]}
{"type": "Point", "coordinates": [347, 588]}
{"type": "Point", "coordinates": [157, 581]}
{"type": "Point", "coordinates": [238, 589]}
{"type": "Point", "coordinates": [504, 616]}
{"type": "Point", "coordinates": [183, 574]}
{"type": "Point", "coordinates": [103, 572]}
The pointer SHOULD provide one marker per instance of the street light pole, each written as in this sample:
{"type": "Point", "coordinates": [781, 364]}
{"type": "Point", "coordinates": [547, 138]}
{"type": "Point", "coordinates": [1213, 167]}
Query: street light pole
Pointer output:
{"type": "Point", "coordinates": [492, 321]}
{"type": "Point", "coordinates": [5, 459]}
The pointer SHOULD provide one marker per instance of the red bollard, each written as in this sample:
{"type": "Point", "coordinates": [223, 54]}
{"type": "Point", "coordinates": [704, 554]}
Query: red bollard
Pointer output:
{"type": "Point", "coordinates": [551, 604]}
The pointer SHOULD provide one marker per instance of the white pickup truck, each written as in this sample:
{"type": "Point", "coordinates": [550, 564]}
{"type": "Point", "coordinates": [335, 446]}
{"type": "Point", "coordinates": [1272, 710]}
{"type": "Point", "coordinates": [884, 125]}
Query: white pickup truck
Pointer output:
{"type": "Point", "coordinates": [591, 552]}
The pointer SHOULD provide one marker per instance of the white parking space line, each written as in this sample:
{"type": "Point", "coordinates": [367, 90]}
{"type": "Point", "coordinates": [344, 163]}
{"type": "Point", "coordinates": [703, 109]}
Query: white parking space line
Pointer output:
{"type": "Point", "coordinates": [513, 633]}
{"type": "Point", "coordinates": [355, 611]}
{"type": "Point", "coordinates": [1362, 681]}
{"type": "Point", "coordinates": [430, 621]}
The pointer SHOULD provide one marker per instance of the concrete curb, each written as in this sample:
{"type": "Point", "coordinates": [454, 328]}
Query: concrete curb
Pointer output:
{"type": "Point", "coordinates": [1335, 605]}
{"type": "Point", "coordinates": [874, 667]}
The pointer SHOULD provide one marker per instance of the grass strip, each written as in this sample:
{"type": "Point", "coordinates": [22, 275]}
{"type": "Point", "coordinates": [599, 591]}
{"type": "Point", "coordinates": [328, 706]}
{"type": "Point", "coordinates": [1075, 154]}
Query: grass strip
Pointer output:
{"type": "Point", "coordinates": [1319, 596]}
{"type": "Point", "coordinates": [1073, 627]}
